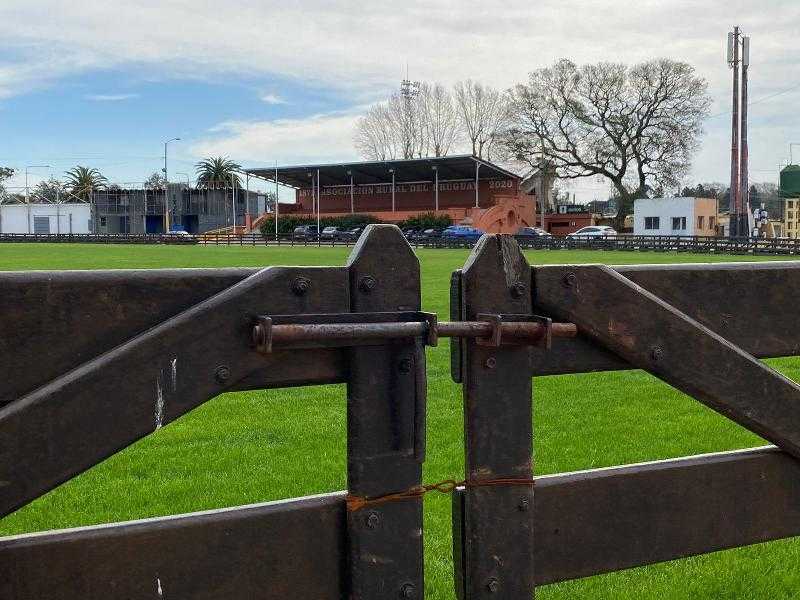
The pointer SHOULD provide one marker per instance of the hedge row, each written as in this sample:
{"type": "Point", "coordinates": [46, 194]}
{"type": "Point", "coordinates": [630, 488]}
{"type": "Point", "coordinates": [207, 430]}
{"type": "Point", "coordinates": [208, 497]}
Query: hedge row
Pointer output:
{"type": "Point", "coordinates": [288, 224]}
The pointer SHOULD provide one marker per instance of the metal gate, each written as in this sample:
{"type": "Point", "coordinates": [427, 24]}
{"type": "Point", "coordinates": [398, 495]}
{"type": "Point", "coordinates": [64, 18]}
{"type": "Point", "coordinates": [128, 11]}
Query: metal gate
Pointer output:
{"type": "Point", "coordinates": [145, 347]}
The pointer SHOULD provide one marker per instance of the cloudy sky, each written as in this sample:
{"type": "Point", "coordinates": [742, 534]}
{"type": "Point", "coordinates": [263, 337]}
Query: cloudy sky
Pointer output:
{"type": "Point", "coordinates": [104, 82]}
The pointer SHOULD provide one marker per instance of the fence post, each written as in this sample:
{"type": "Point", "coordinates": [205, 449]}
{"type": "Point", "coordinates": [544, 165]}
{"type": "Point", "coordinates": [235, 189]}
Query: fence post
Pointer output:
{"type": "Point", "coordinates": [493, 517]}
{"type": "Point", "coordinates": [385, 426]}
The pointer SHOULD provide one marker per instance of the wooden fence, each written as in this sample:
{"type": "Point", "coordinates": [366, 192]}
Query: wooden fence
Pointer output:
{"type": "Point", "coordinates": [130, 351]}
{"type": "Point", "coordinates": [643, 243]}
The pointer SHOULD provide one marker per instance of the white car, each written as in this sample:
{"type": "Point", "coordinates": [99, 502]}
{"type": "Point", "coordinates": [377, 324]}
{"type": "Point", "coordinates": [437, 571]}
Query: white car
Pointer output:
{"type": "Point", "coordinates": [593, 231]}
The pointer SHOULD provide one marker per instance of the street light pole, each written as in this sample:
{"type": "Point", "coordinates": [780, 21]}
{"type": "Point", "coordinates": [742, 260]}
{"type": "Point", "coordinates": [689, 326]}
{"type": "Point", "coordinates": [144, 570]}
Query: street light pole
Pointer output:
{"type": "Point", "coordinates": [27, 198]}
{"type": "Point", "coordinates": [166, 185]}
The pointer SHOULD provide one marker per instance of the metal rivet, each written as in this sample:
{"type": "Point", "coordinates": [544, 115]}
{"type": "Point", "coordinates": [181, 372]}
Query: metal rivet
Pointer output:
{"type": "Point", "coordinates": [405, 365]}
{"type": "Point", "coordinates": [373, 519]}
{"type": "Point", "coordinates": [367, 284]}
{"type": "Point", "coordinates": [408, 591]}
{"type": "Point", "coordinates": [518, 290]}
{"type": "Point", "coordinates": [222, 374]}
{"type": "Point", "coordinates": [570, 279]}
{"type": "Point", "coordinates": [301, 285]}
{"type": "Point", "coordinates": [490, 363]}
{"type": "Point", "coordinates": [656, 353]}
{"type": "Point", "coordinates": [493, 585]}
{"type": "Point", "coordinates": [524, 504]}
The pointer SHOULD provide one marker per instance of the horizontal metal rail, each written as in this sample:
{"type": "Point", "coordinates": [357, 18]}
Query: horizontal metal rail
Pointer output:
{"type": "Point", "coordinates": [516, 332]}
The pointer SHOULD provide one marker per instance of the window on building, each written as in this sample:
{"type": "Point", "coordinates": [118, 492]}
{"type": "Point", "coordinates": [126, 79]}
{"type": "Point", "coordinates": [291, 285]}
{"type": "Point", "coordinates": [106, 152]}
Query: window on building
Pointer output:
{"type": "Point", "coordinates": [790, 215]}
{"type": "Point", "coordinates": [678, 223]}
{"type": "Point", "coordinates": [701, 222]}
{"type": "Point", "coordinates": [711, 222]}
{"type": "Point", "coordinates": [790, 204]}
{"type": "Point", "coordinates": [651, 222]}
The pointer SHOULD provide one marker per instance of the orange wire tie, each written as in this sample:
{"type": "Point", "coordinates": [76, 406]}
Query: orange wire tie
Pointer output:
{"type": "Point", "coordinates": [355, 503]}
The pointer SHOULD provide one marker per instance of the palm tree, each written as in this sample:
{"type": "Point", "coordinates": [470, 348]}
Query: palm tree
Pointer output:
{"type": "Point", "coordinates": [217, 172]}
{"type": "Point", "coordinates": [82, 181]}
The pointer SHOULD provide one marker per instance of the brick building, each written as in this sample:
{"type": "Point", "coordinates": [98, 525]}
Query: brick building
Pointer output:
{"type": "Point", "coordinates": [465, 188]}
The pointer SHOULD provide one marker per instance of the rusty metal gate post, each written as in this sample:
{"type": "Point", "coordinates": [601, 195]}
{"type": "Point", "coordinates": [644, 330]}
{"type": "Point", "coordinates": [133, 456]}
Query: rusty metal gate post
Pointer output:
{"type": "Point", "coordinates": [492, 516]}
{"type": "Point", "coordinates": [385, 425]}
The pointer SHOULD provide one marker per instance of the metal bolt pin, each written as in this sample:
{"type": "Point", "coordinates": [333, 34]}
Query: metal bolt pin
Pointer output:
{"type": "Point", "coordinates": [490, 363]}
{"type": "Point", "coordinates": [405, 365]}
{"type": "Point", "coordinates": [373, 519]}
{"type": "Point", "coordinates": [367, 284]}
{"type": "Point", "coordinates": [518, 290]}
{"type": "Point", "coordinates": [301, 285]}
{"type": "Point", "coordinates": [656, 353]}
{"type": "Point", "coordinates": [570, 280]}
{"type": "Point", "coordinates": [408, 591]}
{"type": "Point", "coordinates": [222, 374]}
{"type": "Point", "coordinates": [524, 504]}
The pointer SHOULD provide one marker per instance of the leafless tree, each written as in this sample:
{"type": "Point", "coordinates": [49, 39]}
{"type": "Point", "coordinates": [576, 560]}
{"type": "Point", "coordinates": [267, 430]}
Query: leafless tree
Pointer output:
{"type": "Point", "coordinates": [440, 119]}
{"type": "Point", "coordinates": [377, 136]}
{"type": "Point", "coordinates": [637, 126]}
{"type": "Point", "coordinates": [484, 114]}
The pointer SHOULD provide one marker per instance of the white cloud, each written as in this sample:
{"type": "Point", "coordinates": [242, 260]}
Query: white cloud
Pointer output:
{"type": "Point", "coordinates": [272, 99]}
{"type": "Point", "coordinates": [110, 97]}
{"type": "Point", "coordinates": [319, 138]}
{"type": "Point", "coordinates": [361, 50]}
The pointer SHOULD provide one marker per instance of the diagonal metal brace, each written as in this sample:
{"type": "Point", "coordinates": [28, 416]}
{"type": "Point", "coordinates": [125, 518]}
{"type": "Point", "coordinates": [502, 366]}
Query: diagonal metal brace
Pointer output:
{"type": "Point", "coordinates": [655, 336]}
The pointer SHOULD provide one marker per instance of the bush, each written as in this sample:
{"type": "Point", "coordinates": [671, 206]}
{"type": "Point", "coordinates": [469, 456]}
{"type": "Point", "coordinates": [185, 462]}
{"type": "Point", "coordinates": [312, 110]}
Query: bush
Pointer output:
{"type": "Point", "coordinates": [426, 221]}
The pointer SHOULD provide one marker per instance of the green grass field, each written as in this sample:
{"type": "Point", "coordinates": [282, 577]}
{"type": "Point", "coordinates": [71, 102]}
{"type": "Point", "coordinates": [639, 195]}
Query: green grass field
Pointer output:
{"type": "Point", "coordinates": [251, 447]}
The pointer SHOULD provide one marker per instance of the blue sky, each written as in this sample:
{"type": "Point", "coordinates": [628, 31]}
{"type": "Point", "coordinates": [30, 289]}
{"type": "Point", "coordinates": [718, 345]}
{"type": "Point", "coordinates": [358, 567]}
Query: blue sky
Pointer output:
{"type": "Point", "coordinates": [266, 81]}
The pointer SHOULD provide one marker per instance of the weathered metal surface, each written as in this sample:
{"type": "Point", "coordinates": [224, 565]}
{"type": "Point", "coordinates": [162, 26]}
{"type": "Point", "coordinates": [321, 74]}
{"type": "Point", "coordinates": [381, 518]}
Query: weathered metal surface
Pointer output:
{"type": "Point", "coordinates": [743, 302]}
{"type": "Point", "coordinates": [276, 550]}
{"type": "Point", "coordinates": [107, 403]}
{"type": "Point", "coordinates": [385, 399]}
{"type": "Point", "coordinates": [653, 335]}
{"type": "Point", "coordinates": [493, 555]}
{"type": "Point", "coordinates": [605, 520]}
{"type": "Point", "coordinates": [337, 330]}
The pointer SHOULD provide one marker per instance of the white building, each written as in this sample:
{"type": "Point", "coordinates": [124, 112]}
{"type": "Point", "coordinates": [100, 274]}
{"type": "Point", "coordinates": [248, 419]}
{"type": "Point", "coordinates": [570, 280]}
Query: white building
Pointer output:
{"type": "Point", "coordinates": [675, 216]}
{"type": "Point", "coordinates": [45, 218]}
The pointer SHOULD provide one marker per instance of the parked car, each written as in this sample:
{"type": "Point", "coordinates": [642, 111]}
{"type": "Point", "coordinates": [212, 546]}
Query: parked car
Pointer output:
{"type": "Point", "coordinates": [352, 235]}
{"type": "Point", "coordinates": [530, 232]}
{"type": "Point", "coordinates": [330, 232]}
{"type": "Point", "coordinates": [305, 232]}
{"type": "Point", "coordinates": [430, 234]}
{"type": "Point", "coordinates": [593, 231]}
{"type": "Point", "coordinates": [410, 233]}
{"type": "Point", "coordinates": [462, 233]}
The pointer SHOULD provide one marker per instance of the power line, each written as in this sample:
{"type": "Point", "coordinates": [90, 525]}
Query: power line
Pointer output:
{"type": "Point", "coordinates": [789, 89]}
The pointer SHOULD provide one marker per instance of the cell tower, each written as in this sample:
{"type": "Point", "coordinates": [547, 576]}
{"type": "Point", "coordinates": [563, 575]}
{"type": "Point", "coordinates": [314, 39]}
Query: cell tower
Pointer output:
{"type": "Point", "coordinates": [739, 193]}
{"type": "Point", "coordinates": [409, 90]}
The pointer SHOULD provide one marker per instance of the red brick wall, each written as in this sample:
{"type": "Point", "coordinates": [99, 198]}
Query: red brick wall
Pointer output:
{"type": "Point", "coordinates": [414, 197]}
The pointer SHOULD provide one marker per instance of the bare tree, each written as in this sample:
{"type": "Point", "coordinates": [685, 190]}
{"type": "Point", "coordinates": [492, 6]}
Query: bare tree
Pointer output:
{"type": "Point", "coordinates": [637, 126]}
{"type": "Point", "coordinates": [439, 118]}
{"type": "Point", "coordinates": [377, 136]}
{"type": "Point", "coordinates": [484, 113]}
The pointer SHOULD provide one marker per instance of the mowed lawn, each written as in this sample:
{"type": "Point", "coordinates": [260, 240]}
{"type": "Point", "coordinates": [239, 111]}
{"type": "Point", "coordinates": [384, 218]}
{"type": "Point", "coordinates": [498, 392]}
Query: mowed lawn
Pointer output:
{"type": "Point", "coordinates": [251, 447]}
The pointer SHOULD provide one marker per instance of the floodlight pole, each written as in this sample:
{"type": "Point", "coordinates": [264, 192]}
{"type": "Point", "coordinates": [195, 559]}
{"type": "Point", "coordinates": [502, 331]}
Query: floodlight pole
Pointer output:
{"type": "Point", "coordinates": [319, 198]}
{"type": "Point", "coordinates": [277, 203]}
{"type": "Point", "coordinates": [166, 185]}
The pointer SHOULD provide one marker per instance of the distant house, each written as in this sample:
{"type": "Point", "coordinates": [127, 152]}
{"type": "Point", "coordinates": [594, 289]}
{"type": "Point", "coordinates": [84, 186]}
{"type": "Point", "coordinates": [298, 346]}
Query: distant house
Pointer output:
{"type": "Point", "coordinates": [45, 218]}
{"type": "Point", "coordinates": [675, 216]}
